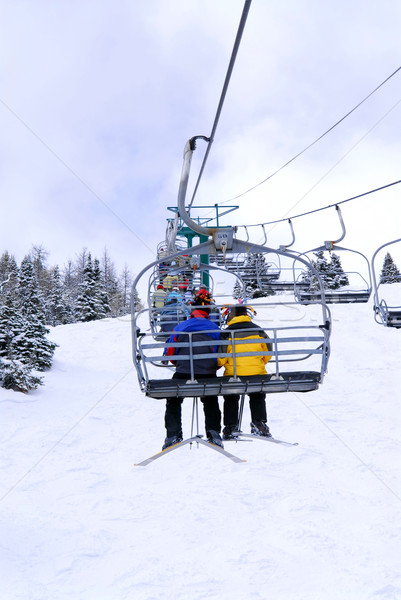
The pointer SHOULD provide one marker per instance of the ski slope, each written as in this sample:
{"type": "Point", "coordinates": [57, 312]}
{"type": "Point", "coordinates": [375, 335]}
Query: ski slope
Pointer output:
{"type": "Point", "coordinates": [317, 521]}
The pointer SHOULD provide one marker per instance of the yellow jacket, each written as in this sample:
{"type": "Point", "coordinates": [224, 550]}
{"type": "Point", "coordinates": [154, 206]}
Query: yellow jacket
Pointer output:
{"type": "Point", "coordinates": [244, 329]}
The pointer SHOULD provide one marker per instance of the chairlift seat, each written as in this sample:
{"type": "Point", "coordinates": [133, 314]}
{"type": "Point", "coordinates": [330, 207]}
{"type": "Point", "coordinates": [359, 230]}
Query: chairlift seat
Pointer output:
{"type": "Point", "coordinates": [336, 297]}
{"type": "Point", "coordinates": [394, 318]}
{"type": "Point", "coordinates": [287, 286]}
{"type": "Point", "coordinates": [296, 381]}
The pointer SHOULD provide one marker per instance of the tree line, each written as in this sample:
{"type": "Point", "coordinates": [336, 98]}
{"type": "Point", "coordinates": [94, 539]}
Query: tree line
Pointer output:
{"type": "Point", "coordinates": [34, 296]}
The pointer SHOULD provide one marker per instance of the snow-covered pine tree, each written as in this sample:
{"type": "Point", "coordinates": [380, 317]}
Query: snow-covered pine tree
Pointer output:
{"type": "Point", "coordinates": [15, 374]}
{"type": "Point", "coordinates": [8, 274]}
{"type": "Point", "coordinates": [238, 290]}
{"type": "Point", "coordinates": [28, 296]}
{"type": "Point", "coordinates": [58, 306]}
{"type": "Point", "coordinates": [100, 291]}
{"type": "Point", "coordinates": [390, 272]}
{"type": "Point", "coordinates": [338, 277]}
{"type": "Point", "coordinates": [86, 302]}
{"type": "Point", "coordinates": [34, 349]}
{"type": "Point", "coordinates": [320, 264]}
{"type": "Point", "coordinates": [92, 302]}
{"type": "Point", "coordinates": [111, 284]}
{"type": "Point", "coordinates": [11, 328]}
{"type": "Point", "coordinates": [331, 273]}
{"type": "Point", "coordinates": [255, 272]}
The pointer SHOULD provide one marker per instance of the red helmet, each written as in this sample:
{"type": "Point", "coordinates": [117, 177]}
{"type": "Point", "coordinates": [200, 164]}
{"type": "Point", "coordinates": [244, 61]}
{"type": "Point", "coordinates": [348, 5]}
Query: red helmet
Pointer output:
{"type": "Point", "coordinates": [160, 287]}
{"type": "Point", "coordinates": [203, 297]}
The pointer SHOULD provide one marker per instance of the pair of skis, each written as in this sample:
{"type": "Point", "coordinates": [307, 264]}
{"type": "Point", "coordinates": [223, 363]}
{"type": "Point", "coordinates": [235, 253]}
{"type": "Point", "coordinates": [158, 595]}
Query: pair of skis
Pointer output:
{"type": "Point", "coordinates": [198, 440]}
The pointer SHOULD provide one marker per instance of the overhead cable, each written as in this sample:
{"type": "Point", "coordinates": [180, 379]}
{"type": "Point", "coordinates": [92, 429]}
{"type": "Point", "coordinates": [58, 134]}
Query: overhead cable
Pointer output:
{"type": "Point", "coordinates": [383, 187]}
{"type": "Point", "coordinates": [316, 140]}
{"type": "Point", "coordinates": [223, 93]}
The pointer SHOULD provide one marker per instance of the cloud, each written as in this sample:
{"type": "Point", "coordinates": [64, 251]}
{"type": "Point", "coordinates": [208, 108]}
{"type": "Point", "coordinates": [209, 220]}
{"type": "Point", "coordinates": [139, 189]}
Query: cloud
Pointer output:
{"type": "Point", "coordinates": [99, 100]}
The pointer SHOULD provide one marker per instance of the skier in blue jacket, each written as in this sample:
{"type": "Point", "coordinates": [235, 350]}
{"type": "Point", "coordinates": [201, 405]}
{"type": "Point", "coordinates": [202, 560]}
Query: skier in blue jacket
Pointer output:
{"type": "Point", "coordinates": [202, 329]}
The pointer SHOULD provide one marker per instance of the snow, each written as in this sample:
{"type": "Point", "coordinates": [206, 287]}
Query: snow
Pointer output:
{"type": "Point", "coordinates": [317, 521]}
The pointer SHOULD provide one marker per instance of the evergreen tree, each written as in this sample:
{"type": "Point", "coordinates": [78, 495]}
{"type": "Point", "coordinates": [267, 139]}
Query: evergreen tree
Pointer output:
{"type": "Point", "coordinates": [255, 275]}
{"type": "Point", "coordinates": [58, 308]}
{"type": "Point", "coordinates": [103, 306]}
{"type": "Point", "coordinates": [238, 290]}
{"type": "Point", "coordinates": [331, 273]}
{"type": "Point", "coordinates": [35, 349]}
{"type": "Point", "coordinates": [15, 373]}
{"type": "Point", "coordinates": [390, 272]}
{"type": "Point", "coordinates": [338, 277]}
{"type": "Point", "coordinates": [92, 302]}
{"type": "Point", "coordinates": [322, 266]}
{"type": "Point", "coordinates": [86, 303]}
{"type": "Point", "coordinates": [11, 328]}
{"type": "Point", "coordinates": [8, 274]}
{"type": "Point", "coordinates": [27, 291]}
{"type": "Point", "coordinates": [111, 285]}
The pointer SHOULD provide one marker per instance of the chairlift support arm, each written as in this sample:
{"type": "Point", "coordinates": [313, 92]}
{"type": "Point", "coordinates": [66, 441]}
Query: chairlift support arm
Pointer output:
{"type": "Point", "coordinates": [222, 236]}
{"type": "Point", "coordinates": [284, 248]}
{"type": "Point", "coordinates": [330, 244]}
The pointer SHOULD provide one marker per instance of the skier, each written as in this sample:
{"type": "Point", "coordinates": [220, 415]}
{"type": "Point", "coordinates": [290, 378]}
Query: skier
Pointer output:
{"type": "Point", "coordinates": [159, 297]}
{"type": "Point", "coordinates": [174, 294]}
{"type": "Point", "coordinates": [204, 368]}
{"type": "Point", "coordinates": [240, 322]}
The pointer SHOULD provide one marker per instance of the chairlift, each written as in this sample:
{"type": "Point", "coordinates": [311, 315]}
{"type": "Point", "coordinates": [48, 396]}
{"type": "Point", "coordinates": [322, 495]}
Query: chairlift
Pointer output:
{"type": "Point", "coordinates": [273, 274]}
{"type": "Point", "coordinates": [176, 305]}
{"type": "Point", "coordinates": [385, 314]}
{"type": "Point", "coordinates": [300, 353]}
{"type": "Point", "coordinates": [292, 346]}
{"type": "Point", "coordinates": [356, 287]}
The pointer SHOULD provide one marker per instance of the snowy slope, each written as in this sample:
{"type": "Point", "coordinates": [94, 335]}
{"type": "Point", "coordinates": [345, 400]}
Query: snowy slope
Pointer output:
{"type": "Point", "coordinates": [316, 521]}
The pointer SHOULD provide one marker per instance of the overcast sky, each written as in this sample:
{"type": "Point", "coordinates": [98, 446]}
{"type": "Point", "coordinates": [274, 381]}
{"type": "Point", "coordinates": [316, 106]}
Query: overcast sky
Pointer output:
{"type": "Point", "coordinates": [98, 99]}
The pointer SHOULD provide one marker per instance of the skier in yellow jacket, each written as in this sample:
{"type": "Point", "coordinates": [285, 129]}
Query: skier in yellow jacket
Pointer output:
{"type": "Point", "coordinates": [241, 327]}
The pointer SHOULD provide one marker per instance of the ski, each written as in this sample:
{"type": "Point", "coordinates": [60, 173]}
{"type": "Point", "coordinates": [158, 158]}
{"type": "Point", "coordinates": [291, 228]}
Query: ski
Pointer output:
{"type": "Point", "coordinates": [265, 439]}
{"type": "Point", "coordinates": [147, 461]}
{"type": "Point", "coordinates": [232, 457]}
{"type": "Point", "coordinates": [197, 440]}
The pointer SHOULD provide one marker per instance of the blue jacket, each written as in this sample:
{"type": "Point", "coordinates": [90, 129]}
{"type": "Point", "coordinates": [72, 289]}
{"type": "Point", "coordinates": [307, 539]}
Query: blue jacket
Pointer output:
{"type": "Point", "coordinates": [202, 366]}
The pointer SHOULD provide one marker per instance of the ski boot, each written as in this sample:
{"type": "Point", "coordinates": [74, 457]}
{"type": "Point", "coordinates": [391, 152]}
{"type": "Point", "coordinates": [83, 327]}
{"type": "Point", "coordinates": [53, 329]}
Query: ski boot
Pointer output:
{"type": "Point", "coordinates": [213, 437]}
{"type": "Point", "coordinates": [260, 428]}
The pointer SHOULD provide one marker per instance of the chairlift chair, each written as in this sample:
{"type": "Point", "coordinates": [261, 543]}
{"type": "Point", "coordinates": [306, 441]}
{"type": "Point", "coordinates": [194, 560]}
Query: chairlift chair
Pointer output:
{"type": "Point", "coordinates": [293, 346]}
{"type": "Point", "coordinates": [356, 292]}
{"type": "Point", "coordinates": [385, 314]}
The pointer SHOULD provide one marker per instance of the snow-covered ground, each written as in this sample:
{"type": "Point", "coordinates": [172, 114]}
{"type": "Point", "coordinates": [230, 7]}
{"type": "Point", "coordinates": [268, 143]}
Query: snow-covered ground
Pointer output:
{"type": "Point", "coordinates": [317, 521]}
